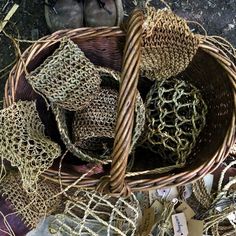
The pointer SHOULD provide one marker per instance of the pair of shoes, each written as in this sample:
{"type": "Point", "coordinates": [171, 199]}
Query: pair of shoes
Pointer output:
{"type": "Point", "coordinates": [64, 14]}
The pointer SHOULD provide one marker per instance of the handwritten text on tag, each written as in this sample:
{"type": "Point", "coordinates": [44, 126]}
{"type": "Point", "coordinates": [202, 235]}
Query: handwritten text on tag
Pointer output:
{"type": "Point", "coordinates": [147, 221]}
{"type": "Point", "coordinates": [208, 180]}
{"type": "Point", "coordinates": [179, 224]}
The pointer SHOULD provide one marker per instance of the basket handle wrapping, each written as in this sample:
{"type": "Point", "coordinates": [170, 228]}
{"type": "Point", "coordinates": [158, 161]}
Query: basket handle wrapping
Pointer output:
{"type": "Point", "coordinates": [126, 104]}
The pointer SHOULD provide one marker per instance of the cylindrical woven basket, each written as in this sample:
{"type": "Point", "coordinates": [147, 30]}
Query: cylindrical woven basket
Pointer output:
{"type": "Point", "coordinates": [211, 71]}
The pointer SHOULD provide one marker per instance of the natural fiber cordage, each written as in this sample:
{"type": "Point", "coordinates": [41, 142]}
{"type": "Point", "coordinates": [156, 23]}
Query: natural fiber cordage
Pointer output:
{"type": "Point", "coordinates": [175, 114]}
{"type": "Point", "coordinates": [67, 78]}
{"type": "Point", "coordinates": [23, 142]}
{"type": "Point", "coordinates": [102, 157]}
{"type": "Point", "coordinates": [220, 205]}
{"type": "Point", "coordinates": [90, 213]}
{"type": "Point", "coordinates": [211, 70]}
{"type": "Point", "coordinates": [94, 127]}
{"type": "Point", "coordinates": [168, 44]}
{"type": "Point", "coordinates": [164, 226]}
{"type": "Point", "coordinates": [31, 206]}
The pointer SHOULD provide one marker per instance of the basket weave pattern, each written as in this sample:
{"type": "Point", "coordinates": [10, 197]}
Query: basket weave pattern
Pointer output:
{"type": "Point", "coordinates": [168, 45]}
{"type": "Point", "coordinates": [120, 181]}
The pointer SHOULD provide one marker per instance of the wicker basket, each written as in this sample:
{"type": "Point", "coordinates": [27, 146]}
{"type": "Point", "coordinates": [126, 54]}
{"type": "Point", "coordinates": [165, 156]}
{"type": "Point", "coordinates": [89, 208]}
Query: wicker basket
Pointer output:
{"type": "Point", "coordinates": [211, 71]}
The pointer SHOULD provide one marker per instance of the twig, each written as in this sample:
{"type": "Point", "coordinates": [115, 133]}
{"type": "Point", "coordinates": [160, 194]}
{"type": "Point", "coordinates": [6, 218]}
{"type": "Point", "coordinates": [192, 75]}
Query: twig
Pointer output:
{"type": "Point", "coordinates": [8, 16]}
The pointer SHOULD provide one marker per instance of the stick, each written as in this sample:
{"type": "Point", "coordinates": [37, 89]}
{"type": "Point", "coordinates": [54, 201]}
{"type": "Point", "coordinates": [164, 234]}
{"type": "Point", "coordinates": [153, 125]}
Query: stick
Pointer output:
{"type": "Point", "coordinates": [8, 16]}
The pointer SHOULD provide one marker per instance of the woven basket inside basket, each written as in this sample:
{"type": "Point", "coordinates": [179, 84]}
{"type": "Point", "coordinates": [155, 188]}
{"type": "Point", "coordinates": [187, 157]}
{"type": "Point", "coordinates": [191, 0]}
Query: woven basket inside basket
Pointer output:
{"type": "Point", "coordinates": [210, 71]}
{"type": "Point", "coordinates": [63, 119]}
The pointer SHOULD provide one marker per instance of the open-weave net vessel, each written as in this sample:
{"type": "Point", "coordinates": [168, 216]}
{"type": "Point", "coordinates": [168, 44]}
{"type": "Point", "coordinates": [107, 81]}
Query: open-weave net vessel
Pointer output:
{"type": "Point", "coordinates": [69, 78]}
{"type": "Point", "coordinates": [61, 119]}
{"type": "Point", "coordinates": [168, 45]}
{"type": "Point", "coordinates": [175, 114]}
{"type": "Point", "coordinates": [35, 206]}
{"type": "Point", "coordinates": [23, 142]}
{"type": "Point", "coordinates": [94, 127]}
{"type": "Point", "coordinates": [92, 214]}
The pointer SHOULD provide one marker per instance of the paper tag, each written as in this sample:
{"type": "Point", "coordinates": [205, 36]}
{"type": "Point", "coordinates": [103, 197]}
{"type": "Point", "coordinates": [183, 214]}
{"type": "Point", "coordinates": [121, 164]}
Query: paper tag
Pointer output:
{"type": "Point", "coordinates": [208, 180]}
{"type": "Point", "coordinates": [195, 227]}
{"type": "Point", "coordinates": [222, 204]}
{"type": "Point", "coordinates": [158, 209]}
{"type": "Point", "coordinates": [143, 199]}
{"type": "Point", "coordinates": [172, 194]}
{"type": "Point", "coordinates": [153, 196]}
{"type": "Point", "coordinates": [233, 186]}
{"type": "Point", "coordinates": [186, 209]}
{"type": "Point", "coordinates": [219, 208]}
{"type": "Point", "coordinates": [232, 217]}
{"type": "Point", "coordinates": [164, 193]}
{"type": "Point", "coordinates": [168, 193]}
{"type": "Point", "coordinates": [188, 191]}
{"type": "Point", "coordinates": [158, 194]}
{"type": "Point", "coordinates": [179, 224]}
{"type": "Point", "coordinates": [147, 221]}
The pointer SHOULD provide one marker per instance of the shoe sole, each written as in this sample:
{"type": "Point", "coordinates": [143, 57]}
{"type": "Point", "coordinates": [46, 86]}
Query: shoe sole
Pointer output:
{"type": "Point", "coordinates": [119, 13]}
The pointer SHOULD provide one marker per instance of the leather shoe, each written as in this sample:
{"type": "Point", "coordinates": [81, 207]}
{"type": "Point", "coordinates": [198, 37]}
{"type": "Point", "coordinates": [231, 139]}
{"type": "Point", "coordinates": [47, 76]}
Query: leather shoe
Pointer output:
{"type": "Point", "coordinates": [103, 12]}
{"type": "Point", "coordinates": [64, 14]}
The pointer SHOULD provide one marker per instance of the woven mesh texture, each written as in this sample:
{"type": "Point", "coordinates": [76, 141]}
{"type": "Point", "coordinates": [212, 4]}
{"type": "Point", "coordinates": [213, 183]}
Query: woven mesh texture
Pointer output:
{"type": "Point", "coordinates": [104, 143]}
{"type": "Point", "coordinates": [168, 44]}
{"type": "Point", "coordinates": [93, 214]}
{"type": "Point", "coordinates": [175, 113]}
{"type": "Point", "coordinates": [216, 208]}
{"type": "Point", "coordinates": [95, 125]}
{"type": "Point", "coordinates": [32, 207]}
{"type": "Point", "coordinates": [23, 142]}
{"type": "Point", "coordinates": [67, 77]}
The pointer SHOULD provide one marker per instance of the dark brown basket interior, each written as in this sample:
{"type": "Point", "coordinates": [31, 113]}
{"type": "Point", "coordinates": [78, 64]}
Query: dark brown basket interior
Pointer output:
{"type": "Point", "coordinates": [209, 76]}
{"type": "Point", "coordinates": [204, 72]}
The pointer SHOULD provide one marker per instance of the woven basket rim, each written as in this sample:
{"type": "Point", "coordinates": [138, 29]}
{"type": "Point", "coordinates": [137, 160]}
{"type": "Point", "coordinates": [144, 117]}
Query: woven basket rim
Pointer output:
{"type": "Point", "coordinates": [145, 183]}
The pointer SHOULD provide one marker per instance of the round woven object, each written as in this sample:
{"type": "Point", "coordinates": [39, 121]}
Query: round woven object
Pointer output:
{"type": "Point", "coordinates": [168, 44]}
{"type": "Point", "coordinates": [90, 213]}
{"type": "Point", "coordinates": [95, 125]}
{"type": "Point", "coordinates": [175, 114]}
{"type": "Point", "coordinates": [69, 78]}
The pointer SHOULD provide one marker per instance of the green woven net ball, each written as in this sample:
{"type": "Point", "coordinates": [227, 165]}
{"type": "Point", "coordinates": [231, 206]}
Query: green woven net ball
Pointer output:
{"type": "Point", "coordinates": [175, 114]}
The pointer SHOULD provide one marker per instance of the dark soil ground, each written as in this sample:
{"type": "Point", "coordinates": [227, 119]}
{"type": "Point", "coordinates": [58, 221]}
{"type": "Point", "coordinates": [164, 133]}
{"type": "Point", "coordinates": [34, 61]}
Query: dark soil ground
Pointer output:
{"type": "Point", "coordinates": [217, 16]}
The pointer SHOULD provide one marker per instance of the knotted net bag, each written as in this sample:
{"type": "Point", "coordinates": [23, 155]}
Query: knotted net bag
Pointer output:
{"type": "Point", "coordinates": [94, 127]}
{"type": "Point", "coordinates": [92, 214]}
{"type": "Point", "coordinates": [23, 142]}
{"type": "Point", "coordinates": [168, 45]}
{"type": "Point", "coordinates": [31, 206]}
{"type": "Point", "coordinates": [61, 116]}
{"type": "Point", "coordinates": [175, 114]}
{"type": "Point", "coordinates": [67, 77]}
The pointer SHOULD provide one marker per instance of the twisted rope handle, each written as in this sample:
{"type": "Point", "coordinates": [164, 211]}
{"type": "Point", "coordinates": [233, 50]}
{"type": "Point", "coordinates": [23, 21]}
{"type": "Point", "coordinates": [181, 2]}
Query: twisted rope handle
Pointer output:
{"type": "Point", "coordinates": [126, 103]}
